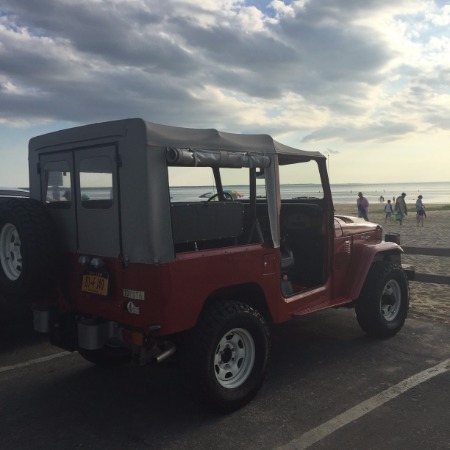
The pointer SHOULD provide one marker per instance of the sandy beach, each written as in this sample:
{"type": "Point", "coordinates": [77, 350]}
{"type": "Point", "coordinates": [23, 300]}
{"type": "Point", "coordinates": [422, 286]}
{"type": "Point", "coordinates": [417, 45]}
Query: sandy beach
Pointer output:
{"type": "Point", "coordinates": [428, 300]}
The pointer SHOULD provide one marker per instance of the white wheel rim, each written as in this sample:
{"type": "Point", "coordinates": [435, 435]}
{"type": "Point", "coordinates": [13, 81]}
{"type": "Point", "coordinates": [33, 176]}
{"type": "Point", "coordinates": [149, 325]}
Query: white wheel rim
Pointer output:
{"type": "Point", "coordinates": [391, 300]}
{"type": "Point", "coordinates": [234, 358]}
{"type": "Point", "coordinates": [10, 255]}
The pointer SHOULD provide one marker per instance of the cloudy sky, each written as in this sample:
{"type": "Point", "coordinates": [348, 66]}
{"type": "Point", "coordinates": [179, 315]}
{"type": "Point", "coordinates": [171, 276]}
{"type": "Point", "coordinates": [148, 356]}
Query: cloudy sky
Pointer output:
{"type": "Point", "coordinates": [365, 82]}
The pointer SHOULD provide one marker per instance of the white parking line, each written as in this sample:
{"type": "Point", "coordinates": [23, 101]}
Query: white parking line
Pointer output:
{"type": "Point", "coordinates": [34, 361]}
{"type": "Point", "coordinates": [322, 431]}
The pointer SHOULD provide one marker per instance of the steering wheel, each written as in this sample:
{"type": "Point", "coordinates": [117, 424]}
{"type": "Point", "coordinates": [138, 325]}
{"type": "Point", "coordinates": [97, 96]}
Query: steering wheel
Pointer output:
{"type": "Point", "coordinates": [227, 195]}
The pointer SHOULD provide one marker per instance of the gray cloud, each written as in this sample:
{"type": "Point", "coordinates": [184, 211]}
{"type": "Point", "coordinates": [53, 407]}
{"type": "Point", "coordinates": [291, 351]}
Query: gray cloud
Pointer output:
{"type": "Point", "coordinates": [378, 132]}
{"type": "Point", "coordinates": [89, 61]}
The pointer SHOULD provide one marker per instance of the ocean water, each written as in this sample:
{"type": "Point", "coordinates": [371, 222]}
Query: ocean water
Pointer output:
{"type": "Point", "coordinates": [433, 192]}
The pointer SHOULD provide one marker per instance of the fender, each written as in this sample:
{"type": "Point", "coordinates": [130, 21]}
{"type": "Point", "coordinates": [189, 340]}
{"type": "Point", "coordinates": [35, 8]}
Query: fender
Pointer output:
{"type": "Point", "coordinates": [363, 257]}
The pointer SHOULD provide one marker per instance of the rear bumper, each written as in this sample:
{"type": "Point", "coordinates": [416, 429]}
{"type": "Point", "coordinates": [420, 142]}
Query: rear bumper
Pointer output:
{"type": "Point", "coordinates": [69, 332]}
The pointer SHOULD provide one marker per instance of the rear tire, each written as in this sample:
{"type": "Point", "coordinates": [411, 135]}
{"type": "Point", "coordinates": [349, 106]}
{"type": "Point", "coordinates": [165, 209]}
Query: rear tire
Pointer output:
{"type": "Point", "coordinates": [227, 354]}
{"type": "Point", "coordinates": [28, 250]}
{"type": "Point", "coordinates": [383, 305]}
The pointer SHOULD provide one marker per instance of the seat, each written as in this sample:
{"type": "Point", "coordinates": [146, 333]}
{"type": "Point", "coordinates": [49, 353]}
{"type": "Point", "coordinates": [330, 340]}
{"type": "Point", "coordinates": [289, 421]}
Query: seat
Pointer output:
{"type": "Point", "coordinates": [287, 262]}
{"type": "Point", "coordinates": [287, 257]}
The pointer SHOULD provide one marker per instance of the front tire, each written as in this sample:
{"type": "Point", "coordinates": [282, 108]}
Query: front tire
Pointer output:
{"type": "Point", "coordinates": [227, 354]}
{"type": "Point", "coordinates": [383, 305]}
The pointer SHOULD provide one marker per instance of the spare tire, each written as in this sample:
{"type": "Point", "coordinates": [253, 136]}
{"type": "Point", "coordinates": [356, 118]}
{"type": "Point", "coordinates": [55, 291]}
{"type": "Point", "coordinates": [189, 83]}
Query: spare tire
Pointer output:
{"type": "Point", "coordinates": [28, 250]}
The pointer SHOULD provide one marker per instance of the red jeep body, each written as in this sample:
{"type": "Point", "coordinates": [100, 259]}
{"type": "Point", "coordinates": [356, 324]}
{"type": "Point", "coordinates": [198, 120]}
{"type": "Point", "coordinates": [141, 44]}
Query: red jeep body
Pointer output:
{"type": "Point", "coordinates": [144, 270]}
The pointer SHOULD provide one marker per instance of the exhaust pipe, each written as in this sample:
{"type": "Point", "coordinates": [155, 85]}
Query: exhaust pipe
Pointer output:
{"type": "Point", "coordinates": [165, 354]}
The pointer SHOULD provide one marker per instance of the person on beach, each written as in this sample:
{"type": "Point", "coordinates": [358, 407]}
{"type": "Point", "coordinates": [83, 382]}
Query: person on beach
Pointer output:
{"type": "Point", "coordinates": [400, 208]}
{"type": "Point", "coordinates": [388, 210]}
{"type": "Point", "coordinates": [420, 211]}
{"type": "Point", "coordinates": [363, 206]}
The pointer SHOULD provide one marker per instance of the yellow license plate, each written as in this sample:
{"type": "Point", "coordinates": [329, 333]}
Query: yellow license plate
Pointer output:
{"type": "Point", "coordinates": [95, 284]}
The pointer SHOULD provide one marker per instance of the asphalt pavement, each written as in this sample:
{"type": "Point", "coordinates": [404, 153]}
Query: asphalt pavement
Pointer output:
{"type": "Point", "coordinates": [328, 387]}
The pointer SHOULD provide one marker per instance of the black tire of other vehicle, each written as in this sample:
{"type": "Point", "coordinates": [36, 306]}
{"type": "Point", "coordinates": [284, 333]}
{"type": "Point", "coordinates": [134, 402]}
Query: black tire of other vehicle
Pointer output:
{"type": "Point", "coordinates": [107, 356]}
{"type": "Point", "coordinates": [29, 259]}
{"type": "Point", "coordinates": [225, 356]}
{"type": "Point", "coordinates": [383, 305]}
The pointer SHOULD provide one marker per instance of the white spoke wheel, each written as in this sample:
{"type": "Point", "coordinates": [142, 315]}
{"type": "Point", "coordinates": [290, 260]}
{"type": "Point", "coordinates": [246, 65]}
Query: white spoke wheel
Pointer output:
{"type": "Point", "coordinates": [234, 358]}
{"type": "Point", "coordinates": [382, 306]}
{"type": "Point", "coordinates": [10, 256]}
{"type": "Point", "coordinates": [225, 356]}
{"type": "Point", "coordinates": [391, 300]}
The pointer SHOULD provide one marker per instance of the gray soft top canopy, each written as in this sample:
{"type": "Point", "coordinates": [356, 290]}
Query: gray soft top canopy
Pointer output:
{"type": "Point", "coordinates": [163, 135]}
{"type": "Point", "coordinates": [173, 137]}
{"type": "Point", "coordinates": [143, 150]}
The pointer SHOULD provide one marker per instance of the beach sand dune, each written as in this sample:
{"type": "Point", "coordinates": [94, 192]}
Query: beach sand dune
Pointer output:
{"type": "Point", "coordinates": [428, 300]}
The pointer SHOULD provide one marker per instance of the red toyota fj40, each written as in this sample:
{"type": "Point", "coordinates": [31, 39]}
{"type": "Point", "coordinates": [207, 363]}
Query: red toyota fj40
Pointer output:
{"type": "Point", "coordinates": [123, 263]}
